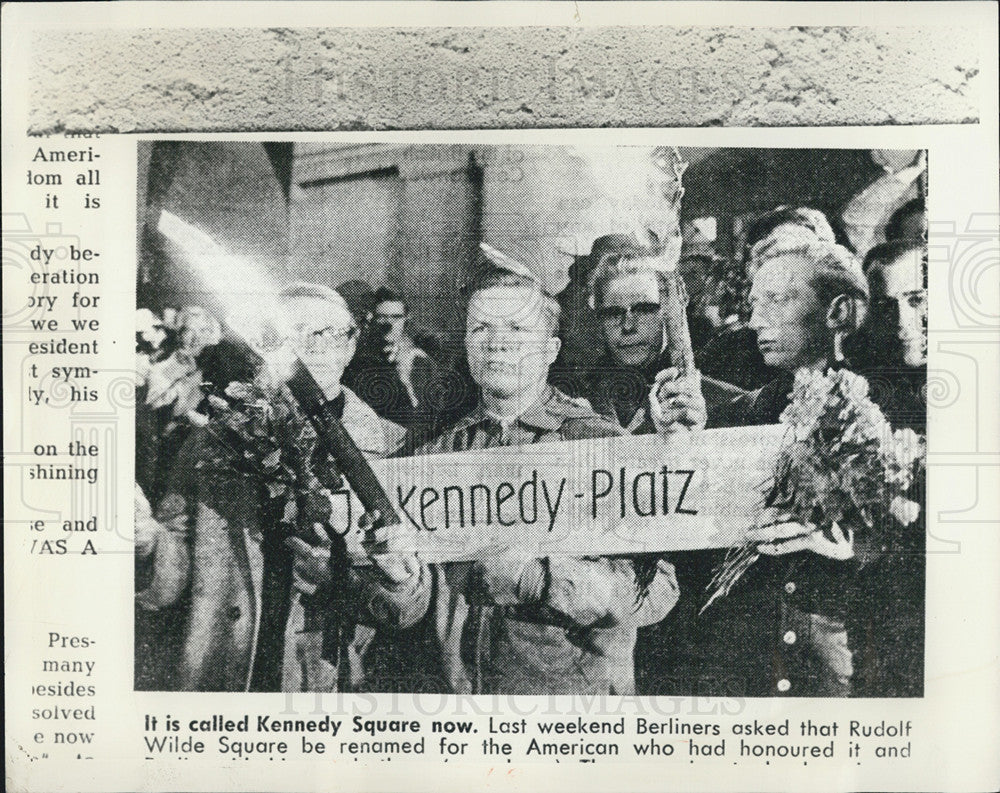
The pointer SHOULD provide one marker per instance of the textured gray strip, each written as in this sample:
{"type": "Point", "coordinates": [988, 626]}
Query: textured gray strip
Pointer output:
{"type": "Point", "coordinates": [252, 79]}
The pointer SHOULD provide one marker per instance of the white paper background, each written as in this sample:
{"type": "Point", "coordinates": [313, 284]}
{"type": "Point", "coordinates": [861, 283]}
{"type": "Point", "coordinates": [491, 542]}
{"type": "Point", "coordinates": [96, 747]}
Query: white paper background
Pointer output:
{"type": "Point", "coordinates": [955, 724]}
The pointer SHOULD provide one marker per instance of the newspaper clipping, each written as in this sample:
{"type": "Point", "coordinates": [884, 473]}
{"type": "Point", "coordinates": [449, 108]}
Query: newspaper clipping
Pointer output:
{"type": "Point", "coordinates": [433, 396]}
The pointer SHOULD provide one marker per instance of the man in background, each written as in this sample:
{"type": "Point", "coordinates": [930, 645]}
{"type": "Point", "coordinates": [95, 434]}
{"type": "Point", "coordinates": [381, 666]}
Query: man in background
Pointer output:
{"type": "Point", "coordinates": [891, 350]}
{"type": "Point", "coordinates": [887, 624]}
{"type": "Point", "coordinates": [392, 372]}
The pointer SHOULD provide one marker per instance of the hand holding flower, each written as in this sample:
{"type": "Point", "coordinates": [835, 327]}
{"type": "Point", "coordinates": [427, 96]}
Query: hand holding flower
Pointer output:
{"type": "Point", "coordinates": [147, 529]}
{"type": "Point", "coordinates": [778, 534]}
{"type": "Point", "coordinates": [841, 458]}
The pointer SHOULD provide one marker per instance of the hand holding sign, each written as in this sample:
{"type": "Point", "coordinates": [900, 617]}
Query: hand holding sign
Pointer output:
{"type": "Point", "coordinates": [311, 565]}
{"type": "Point", "coordinates": [397, 567]}
{"type": "Point", "coordinates": [506, 577]}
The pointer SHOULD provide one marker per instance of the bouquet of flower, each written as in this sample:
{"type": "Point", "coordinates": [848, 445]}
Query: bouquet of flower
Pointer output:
{"type": "Point", "coordinates": [841, 464]}
{"type": "Point", "coordinates": [245, 422]}
{"type": "Point", "coordinates": [261, 434]}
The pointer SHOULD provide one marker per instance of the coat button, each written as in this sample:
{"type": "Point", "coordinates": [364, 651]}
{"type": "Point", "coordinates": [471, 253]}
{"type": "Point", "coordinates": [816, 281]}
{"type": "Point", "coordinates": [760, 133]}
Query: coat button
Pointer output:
{"type": "Point", "coordinates": [234, 612]}
{"type": "Point", "coordinates": [790, 587]}
{"type": "Point", "coordinates": [789, 637]}
{"type": "Point", "coordinates": [784, 684]}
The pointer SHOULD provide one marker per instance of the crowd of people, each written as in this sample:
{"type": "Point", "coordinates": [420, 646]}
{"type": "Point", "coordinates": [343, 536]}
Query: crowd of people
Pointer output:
{"type": "Point", "coordinates": [225, 603]}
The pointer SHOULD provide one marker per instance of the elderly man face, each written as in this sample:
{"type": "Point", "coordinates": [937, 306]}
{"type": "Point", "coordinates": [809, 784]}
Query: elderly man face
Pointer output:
{"type": "Point", "coordinates": [898, 319]}
{"type": "Point", "coordinates": [508, 340]}
{"type": "Point", "coordinates": [324, 336]}
{"type": "Point", "coordinates": [787, 314]}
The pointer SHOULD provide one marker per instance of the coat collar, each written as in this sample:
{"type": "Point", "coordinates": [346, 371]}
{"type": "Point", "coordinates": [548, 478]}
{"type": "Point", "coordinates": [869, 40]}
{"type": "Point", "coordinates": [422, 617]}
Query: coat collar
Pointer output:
{"type": "Point", "coordinates": [549, 413]}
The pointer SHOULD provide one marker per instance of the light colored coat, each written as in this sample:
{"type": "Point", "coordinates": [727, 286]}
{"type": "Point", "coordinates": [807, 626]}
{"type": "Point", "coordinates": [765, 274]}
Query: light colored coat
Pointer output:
{"type": "Point", "coordinates": [211, 551]}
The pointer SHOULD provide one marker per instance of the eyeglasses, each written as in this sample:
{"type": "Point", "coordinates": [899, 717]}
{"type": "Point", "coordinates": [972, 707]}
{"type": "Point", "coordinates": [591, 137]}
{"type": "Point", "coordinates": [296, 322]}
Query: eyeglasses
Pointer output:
{"type": "Point", "coordinates": [618, 314]}
{"type": "Point", "coordinates": [323, 339]}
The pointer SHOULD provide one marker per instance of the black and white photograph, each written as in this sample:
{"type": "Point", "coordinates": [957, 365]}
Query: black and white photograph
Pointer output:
{"type": "Point", "coordinates": [530, 419]}
{"type": "Point", "coordinates": [508, 396]}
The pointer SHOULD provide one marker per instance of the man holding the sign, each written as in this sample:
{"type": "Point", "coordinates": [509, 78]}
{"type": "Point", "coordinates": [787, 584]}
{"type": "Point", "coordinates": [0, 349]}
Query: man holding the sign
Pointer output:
{"type": "Point", "coordinates": [510, 622]}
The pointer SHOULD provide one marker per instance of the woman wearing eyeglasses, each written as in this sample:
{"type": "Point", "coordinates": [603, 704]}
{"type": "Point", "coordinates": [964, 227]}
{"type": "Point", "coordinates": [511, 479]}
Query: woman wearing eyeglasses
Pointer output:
{"type": "Point", "coordinates": [627, 294]}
